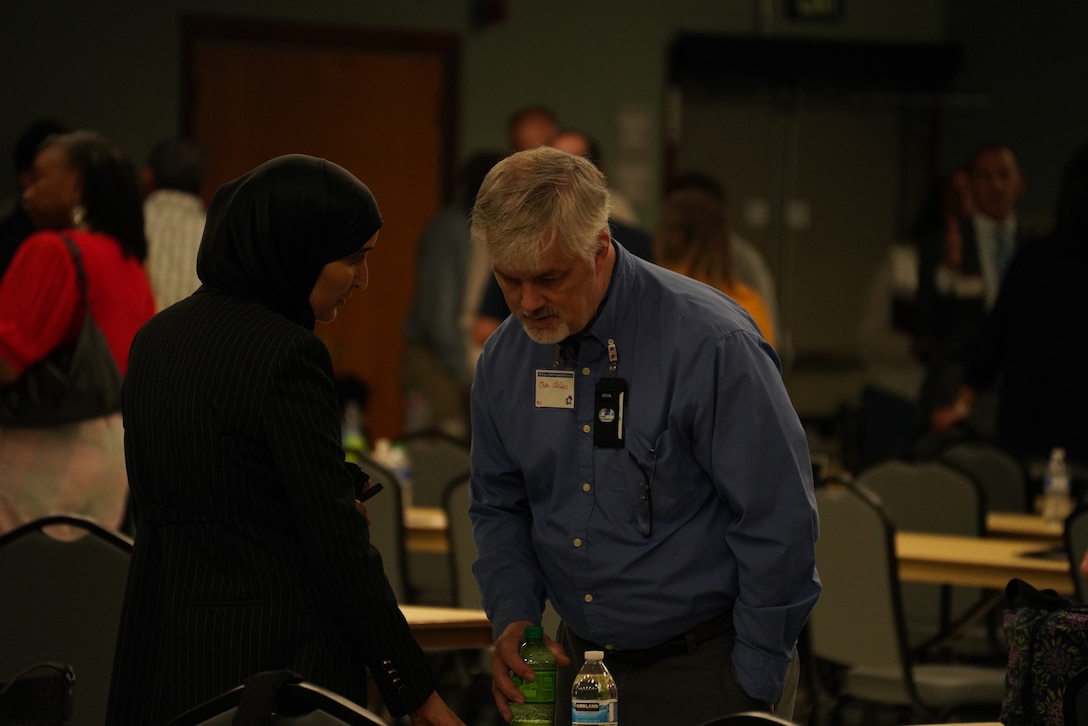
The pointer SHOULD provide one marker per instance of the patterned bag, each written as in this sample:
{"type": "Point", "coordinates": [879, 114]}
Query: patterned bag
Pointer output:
{"type": "Point", "coordinates": [1048, 645]}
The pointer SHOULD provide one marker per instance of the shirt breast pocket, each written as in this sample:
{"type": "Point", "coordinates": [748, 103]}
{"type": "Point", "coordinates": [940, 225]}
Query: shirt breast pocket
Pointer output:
{"type": "Point", "coordinates": [660, 479]}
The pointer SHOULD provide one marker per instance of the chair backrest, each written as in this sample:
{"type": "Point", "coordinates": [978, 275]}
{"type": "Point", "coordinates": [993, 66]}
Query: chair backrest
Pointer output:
{"type": "Point", "coordinates": [296, 704]}
{"type": "Point", "coordinates": [858, 619]}
{"type": "Point", "coordinates": [929, 496]}
{"type": "Point", "coordinates": [455, 501]}
{"type": "Point", "coordinates": [387, 524]}
{"type": "Point", "coordinates": [62, 585]}
{"type": "Point", "coordinates": [1002, 476]}
{"type": "Point", "coordinates": [1075, 701]}
{"type": "Point", "coordinates": [436, 459]}
{"type": "Point", "coordinates": [1076, 544]}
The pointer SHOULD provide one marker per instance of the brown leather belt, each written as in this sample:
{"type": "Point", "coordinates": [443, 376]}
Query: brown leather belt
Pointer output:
{"type": "Point", "coordinates": [679, 645]}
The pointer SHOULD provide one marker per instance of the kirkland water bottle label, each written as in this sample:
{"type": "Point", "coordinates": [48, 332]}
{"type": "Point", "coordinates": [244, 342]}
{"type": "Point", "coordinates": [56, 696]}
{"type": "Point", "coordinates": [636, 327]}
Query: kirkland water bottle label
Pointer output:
{"type": "Point", "coordinates": [596, 712]}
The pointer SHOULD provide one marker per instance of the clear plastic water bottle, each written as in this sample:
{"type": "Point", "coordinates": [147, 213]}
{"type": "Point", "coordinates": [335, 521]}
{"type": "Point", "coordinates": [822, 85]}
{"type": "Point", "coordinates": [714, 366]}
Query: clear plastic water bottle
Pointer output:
{"type": "Point", "coordinates": [393, 457]}
{"type": "Point", "coordinates": [402, 467]}
{"type": "Point", "coordinates": [539, 706]}
{"type": "Point", "coordinates": [593, 697]}
{"type": "Point", "coordinates": [1057, 502]}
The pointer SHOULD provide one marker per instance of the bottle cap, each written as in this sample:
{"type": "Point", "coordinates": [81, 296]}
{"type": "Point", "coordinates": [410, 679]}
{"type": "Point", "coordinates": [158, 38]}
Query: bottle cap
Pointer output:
{"type": "Point", "coordinates": [534, 631]}
{"type": "Point", "coordinates": [594, 655]}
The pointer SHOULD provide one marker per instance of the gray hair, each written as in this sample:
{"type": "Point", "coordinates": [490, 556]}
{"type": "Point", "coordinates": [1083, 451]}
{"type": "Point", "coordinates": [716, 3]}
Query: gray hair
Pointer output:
{"type": "Point", "coordinates": [537, 197]}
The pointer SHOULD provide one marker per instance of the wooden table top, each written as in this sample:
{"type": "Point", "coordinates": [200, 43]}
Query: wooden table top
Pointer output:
{"type": "Point", "coordinates": [438, 628]}
{"type": "Point", "coordinates": [988, 562]}
{"type": "Point", "coordinates": [1022, 524]}
{"type": "Point", "coordinates": [943, 559]}
{"type": "Point", "coordinates": [425, 530]}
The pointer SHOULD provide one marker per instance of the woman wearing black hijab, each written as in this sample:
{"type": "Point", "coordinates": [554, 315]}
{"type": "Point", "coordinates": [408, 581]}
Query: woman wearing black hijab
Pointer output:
{"type": "Point", "coordinates": [250, 554]}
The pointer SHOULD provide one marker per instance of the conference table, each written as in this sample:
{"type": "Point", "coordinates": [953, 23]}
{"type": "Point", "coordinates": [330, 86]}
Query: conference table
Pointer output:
{"type": "Point", "coordinates": [987, 562]}
{"type": "Point", "coordinates": [1028, 548]}
{"type": "Point", "coordinates": [1023, 524]}
{"type": "Point", "coordinates": [425, 530]}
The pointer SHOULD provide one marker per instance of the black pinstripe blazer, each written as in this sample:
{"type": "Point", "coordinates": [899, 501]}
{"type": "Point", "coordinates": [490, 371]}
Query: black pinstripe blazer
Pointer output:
{"type": "Point", "coordinates": [249, 552]}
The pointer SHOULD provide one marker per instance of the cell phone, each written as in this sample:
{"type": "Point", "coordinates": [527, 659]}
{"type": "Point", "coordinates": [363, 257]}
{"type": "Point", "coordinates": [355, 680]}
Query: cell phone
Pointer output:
{"type": "Point", "coordinates": [362, 496]}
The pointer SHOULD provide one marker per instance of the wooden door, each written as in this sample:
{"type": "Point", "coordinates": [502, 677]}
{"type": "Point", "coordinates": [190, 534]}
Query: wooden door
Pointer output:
{"type": "Point", "coordinates": [379, 104]}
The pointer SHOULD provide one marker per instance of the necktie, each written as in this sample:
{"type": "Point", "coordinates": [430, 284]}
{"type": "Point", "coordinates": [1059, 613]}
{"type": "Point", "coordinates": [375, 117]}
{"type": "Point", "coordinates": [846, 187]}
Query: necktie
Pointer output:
{"type": "Point", "coordinates": [1002, 249]}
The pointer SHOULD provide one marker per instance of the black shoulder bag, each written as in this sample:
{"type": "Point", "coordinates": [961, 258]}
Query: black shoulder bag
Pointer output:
{"type": "Point", "coordinates": [73, 383]}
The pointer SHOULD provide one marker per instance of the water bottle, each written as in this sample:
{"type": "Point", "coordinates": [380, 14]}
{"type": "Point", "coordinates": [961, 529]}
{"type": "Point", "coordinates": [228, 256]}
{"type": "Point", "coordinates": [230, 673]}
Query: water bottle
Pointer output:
{"type": "Point", "coordinates": [1057, 503]}
{"type": "Point", "coordinates": [402, 467]}
{"type": "Point", "coordinates": [352, 436]}
{"type": "Point", "coordinates": [539, 706]}
{"type": "Point", "coordinates": [393, 457]}
{"type": "Point", "coordinates": [593, 697]}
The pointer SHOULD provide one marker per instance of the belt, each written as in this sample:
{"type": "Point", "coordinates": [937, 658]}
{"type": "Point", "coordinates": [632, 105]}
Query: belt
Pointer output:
{"type": "Point", "coordinates": [681, 644]}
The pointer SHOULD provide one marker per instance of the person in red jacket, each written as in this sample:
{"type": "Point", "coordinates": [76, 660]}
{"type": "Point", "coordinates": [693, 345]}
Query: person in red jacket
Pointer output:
{"type": "Point", "coordinates": [83, 187]}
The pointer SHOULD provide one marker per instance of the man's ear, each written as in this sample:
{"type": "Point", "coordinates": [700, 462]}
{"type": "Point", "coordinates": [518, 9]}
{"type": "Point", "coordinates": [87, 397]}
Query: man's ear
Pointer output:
{"type": "Point", "coordinates": [604, 240]}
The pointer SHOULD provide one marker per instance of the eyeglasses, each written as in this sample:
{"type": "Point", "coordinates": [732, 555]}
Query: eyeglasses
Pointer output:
{"type": "Point", "coordinates": [644, 505]}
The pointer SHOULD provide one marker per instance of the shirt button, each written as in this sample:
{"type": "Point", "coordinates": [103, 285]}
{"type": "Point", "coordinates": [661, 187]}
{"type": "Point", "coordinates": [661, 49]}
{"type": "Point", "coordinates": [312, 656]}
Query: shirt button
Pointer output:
{"type": "Point", "coordinates": [610, 647]}
{"type": "Point", "coordinates": [589, 598]}
{"type": "Point", "coordinates": [577, 542]}
{"type": "Point", "coordinates": [585, 486]}
{"type": "Point", "coordinates": [586, 428]}
{"type": "Point", "coordinates": [585, 371]}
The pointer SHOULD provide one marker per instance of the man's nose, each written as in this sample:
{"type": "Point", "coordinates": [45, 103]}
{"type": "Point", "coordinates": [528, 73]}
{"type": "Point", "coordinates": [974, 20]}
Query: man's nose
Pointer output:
{"type": "Point", "coordinates": [532, 296]}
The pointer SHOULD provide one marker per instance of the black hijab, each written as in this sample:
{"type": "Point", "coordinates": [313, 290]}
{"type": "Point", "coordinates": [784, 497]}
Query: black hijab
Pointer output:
{"type": "Point", "coordinates": [270, 231]}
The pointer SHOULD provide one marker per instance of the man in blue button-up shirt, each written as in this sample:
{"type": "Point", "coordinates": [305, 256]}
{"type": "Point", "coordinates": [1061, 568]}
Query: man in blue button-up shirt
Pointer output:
{"type": "Point", "coordinates": [636, 460]}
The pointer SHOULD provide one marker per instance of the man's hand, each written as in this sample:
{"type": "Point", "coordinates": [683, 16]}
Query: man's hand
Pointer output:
{"type": "Point", "coordinates": [952, 245]}
{"type": "Point", "coordinates": [505, 658]}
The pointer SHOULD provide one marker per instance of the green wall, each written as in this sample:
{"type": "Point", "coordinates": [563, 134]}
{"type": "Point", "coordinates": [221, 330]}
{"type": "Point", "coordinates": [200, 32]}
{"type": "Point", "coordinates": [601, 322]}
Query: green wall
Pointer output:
{"type": "Point", "coordinates": [114, 66]}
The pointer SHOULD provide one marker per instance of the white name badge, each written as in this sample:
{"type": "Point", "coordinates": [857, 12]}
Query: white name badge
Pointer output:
{"type": "Point", "coordinates": [554, 389]}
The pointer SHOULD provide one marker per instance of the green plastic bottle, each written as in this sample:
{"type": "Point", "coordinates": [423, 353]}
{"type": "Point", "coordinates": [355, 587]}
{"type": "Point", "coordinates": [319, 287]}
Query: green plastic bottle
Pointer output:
{"type": "Point", "coordinates": [539, 706]}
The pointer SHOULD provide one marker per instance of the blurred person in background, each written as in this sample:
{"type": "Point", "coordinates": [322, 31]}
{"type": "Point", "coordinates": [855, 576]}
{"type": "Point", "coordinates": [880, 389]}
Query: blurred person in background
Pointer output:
{"type": "Point", "coordinates": [16, 225]}
{"type": "Point", "coordinates": [1025, 353]}
{"type": "Point", "coordinates": [451, 275]}
{"type": "Point", "coordinates": [531, 126]}
{"type": "Point", "coordinates": [693, 238]}
{"type": "Point", "coordinates": [174, 218]}
{"type": "Point", "coordinates": [84, 188]}
{"type": "Point", "coordinates": [960, 271]}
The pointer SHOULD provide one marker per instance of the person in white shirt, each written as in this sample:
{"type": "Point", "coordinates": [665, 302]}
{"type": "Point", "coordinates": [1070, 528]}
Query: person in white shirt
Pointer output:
{"type": "Point", "coordinates": [174, 218]}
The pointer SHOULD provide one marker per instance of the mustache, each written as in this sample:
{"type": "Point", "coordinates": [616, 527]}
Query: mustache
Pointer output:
{"type": "Point", "coordinates": [536, 314]}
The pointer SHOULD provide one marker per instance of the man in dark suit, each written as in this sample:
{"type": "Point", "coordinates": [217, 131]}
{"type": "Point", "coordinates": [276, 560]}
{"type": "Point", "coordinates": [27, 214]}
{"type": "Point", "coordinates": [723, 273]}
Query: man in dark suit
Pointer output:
{"type": "Point", "coordinates": [960, 273]}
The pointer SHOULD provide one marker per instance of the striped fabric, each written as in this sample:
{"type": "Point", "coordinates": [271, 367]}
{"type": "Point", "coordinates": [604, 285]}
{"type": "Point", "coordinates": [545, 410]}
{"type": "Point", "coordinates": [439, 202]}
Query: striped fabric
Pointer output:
{"type": "Point", "coordinates": [249, 552]}
{"type": "Point", "coordinates": [174, 222]}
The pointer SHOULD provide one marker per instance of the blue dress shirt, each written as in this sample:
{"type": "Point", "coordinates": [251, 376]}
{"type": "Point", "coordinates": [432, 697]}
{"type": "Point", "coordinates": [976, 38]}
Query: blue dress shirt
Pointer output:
{"type": "Point", "coordinates": [707, 419]}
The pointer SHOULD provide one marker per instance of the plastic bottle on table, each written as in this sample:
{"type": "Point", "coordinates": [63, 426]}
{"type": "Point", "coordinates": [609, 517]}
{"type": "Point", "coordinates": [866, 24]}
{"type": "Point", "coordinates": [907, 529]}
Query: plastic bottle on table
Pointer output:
{"type": "Point", "coordinates": [593, 697]}
{"type": "Point", "coordinates": [539, 706]}
{"type": "Point", "coordinates": [1057, 502]}
{"type": "Point", "coordinates": [402, 467]}
{"type": "Point", "coordinates": [393, 457]}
